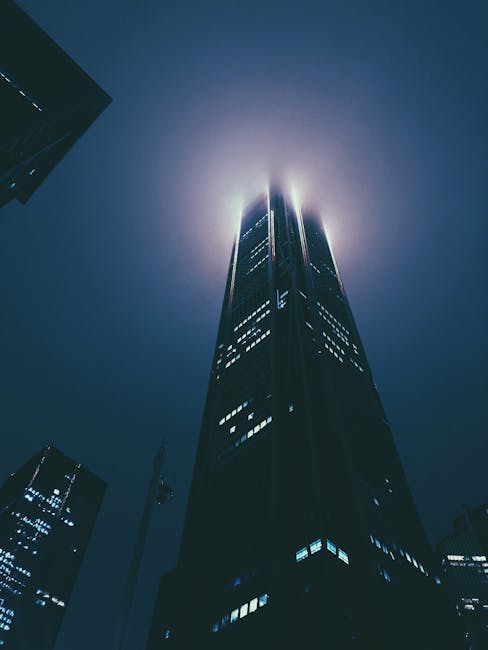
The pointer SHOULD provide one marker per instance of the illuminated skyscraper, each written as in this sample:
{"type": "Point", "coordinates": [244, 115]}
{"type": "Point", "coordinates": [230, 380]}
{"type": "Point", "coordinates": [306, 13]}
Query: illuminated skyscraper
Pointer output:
{"type": "Point", "coordinates": [464, 556]}
{"type": "Point", "coordinates": [301, 531]}
{"type": "Point", "coordinates": [47, 102]}
{"type": "Point", "coordinates": [47, 513]}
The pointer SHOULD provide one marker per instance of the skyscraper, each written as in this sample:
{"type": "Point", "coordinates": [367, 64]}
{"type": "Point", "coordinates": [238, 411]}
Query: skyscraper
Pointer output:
{"type": "Point", "coordinates": [301, 531]}
{"type": "Point", "coordinates": [464, 557]}
{"type": "Point", "coordinates": [47, 102]}
{"type": "Point", "coordinates": [47, 513]}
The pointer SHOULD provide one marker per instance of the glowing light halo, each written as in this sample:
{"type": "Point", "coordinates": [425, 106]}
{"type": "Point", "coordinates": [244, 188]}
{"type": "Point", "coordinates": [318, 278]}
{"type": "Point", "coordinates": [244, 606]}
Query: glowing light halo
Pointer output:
{"type": "Point", "coordinates": [329, 243]}
{"type": "Point", "coordinates": [236, 251]}
{"type": "Point", "coordinates": [301, 229]}
{"type": "Point", "coordinates": [271, 231]}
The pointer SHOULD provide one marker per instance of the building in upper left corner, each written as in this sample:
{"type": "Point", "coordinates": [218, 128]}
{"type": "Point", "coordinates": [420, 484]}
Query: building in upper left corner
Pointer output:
{"type": "Point", "coordinates": [46, 103]}
{"type": "Point", "coordinates": [48, 510]}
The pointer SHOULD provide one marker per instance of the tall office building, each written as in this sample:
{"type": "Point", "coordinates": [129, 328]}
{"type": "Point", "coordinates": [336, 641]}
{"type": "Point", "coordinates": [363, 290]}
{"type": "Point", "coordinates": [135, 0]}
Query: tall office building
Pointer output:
{"type": "Point", "coordinates": [47, 102]}
{"type": "Point", "coordinates": [464, 557]}
{"type": "Point", "coordinates": [47, 512]}
{"type": "Point", "coordinates": [301, 531]}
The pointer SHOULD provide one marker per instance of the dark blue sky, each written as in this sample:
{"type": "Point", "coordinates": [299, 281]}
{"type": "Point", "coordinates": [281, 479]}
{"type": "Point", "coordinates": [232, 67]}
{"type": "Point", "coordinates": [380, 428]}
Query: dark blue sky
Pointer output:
{"type": "Point", "coordinates": [111, 277]}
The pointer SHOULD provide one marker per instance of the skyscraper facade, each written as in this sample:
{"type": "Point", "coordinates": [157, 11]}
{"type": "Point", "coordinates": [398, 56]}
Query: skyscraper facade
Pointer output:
{"type": "Point", "coordinates": [301, 531]}
{"type": "Point", "coordinates": [464, 558]}
{"type": "Point", "coordinates": [47, 512]}
{"type": "Point", "coordinates": [47, 102]}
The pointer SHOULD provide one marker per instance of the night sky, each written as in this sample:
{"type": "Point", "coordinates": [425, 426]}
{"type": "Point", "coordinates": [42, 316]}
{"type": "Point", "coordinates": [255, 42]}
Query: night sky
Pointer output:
{"type": "Point", "coordinates": [112, 276]}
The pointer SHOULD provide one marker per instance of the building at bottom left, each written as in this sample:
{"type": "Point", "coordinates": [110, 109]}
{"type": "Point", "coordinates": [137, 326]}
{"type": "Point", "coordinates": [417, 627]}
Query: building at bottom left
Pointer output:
{"type": "Point", "coordinates": [48, 509]}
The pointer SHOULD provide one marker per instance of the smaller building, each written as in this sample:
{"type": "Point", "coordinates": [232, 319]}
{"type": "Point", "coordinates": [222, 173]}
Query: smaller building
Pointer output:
{"type": "Point", "coordinates": [464, 557]}
{"type": "Point", "coordinates": [47, 102]}
{"type": "Point", "coordinates": [47, 513]}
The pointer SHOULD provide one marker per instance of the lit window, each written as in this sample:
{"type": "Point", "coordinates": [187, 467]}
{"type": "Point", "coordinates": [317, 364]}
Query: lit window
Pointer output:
{"type": "Point", "coordinates": [253, 605]}
{"type": "Point", "coordinates": [234, 615]}
{"type": "Point", "coordinates": [263, 600]}
{"type": "Point", "coordinates": [342, 555]}
{"type": "Point", "coordinates": [331, 547]}
{"type": "Point", "coordinates": [301, 554]}
{"type": "Point", "coordinates": [316, 546]}
{"type": "Point", "coordinates": [244, 610]}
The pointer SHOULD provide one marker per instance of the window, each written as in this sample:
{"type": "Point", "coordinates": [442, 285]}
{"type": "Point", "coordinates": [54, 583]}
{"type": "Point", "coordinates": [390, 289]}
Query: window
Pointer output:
{"type": "Point", "coordinates": [242, 611]}
{"type": "Point", "coordinates": [316, 546]}
{"type": "Point", "coordinates": [263, 600]}
{"type": "Point", "coordinates": [301, 554]}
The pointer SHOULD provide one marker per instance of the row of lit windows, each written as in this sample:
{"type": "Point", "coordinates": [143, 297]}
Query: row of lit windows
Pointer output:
{"type": "Point", "coordinates": [6, 614]}
{"type": "Point", "coordinates": [233, 360]}
{"type": "Point", "coordinates": [31, 494]}
{"type": "Point", "coordinates": [338, 332]}
{"type": "Point", "coordinates": [47, 596]}
{"type": "Point", "coordinates": [259, 318]}
{"type": "Point", "coordinates": [256, 225]}
{"type": "Point", "coordinates": [315, 268]}
{"type": "Point", "coordinates": [473, 603]}
{"type": "Point", "coordinates": [477, 562]}
{"type": "Point", "coordinates": [258, 340]}
{"type": "Point", "coordinates": [459, 558]}
{"type": "Point", "coordinates": [259, 247]}
{"type": "Point", "coordinates": [39, 524]}
{"type": "Point", "coordinates": [237, 409]}
{"type": "Point", "coordinates": [255, 266]}
{"type": "Point", "coordinates": [241, 612]}
{"type": "Point", "coordinates": [317, 546]}
{"type": "Point", "coordinates": [356, 364]}
{"type": "Point", "coordinates": [330, 271]}
{"type": "Point", "coordinates": [20, 91]}
{"type": "Point", "coordinates": [322, 308]}
{"type": "Point", "coordinates": [248, 318]}
{"type": "Point", "coordinates": [332, 342]}
{"type": "Point", "coordinates": [333, 353]}
{"type": "Point", "coordinates": [254, 430]}
{"type": "Point", "coordinates": [387, 551]}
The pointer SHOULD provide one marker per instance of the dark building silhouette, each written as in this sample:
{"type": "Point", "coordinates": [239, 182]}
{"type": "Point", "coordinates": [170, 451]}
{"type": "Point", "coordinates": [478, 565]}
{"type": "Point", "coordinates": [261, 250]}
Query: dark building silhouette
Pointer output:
{"type": "Point", "coordinates": [47, 512]}
{"type": "Point", "coordinates": [301, 531]}
{"type": "Point", "coordinates": [464, 557]}
{"type": "Point", "coordinates": [46, 103]}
